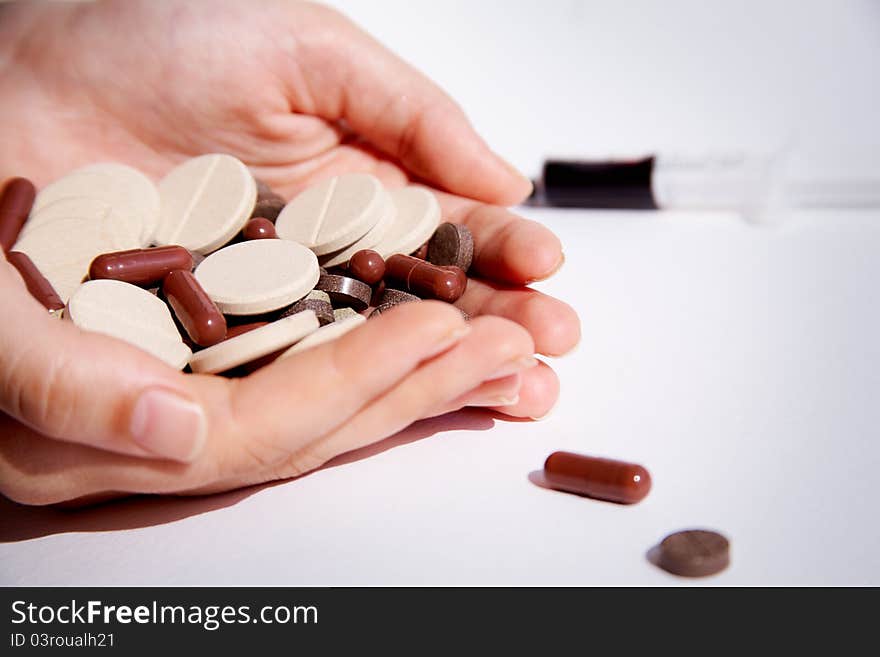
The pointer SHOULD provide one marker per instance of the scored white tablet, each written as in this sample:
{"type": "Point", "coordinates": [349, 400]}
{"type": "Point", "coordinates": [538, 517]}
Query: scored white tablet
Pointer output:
{"type": "Point", "coordinates": [333, 214]}
{"type": "Point", "coordinates": [204, 202]}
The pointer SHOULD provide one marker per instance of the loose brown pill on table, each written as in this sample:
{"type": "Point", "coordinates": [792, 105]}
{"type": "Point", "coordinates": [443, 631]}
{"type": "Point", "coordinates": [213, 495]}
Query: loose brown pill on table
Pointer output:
{"type": "Point", "coordinates": [36, 283]}
{"type": "Point", "coordinates": [345, 291]}
{"type": "Point", "coordinates": [16, 201]}
{"type": "Point", "coordinates": [367, 266]}
{"type": "Point", "coordinates": [200, 316]}
{"type": "Point", "coordinates": [144, 267]}
{"type": "Point", "coordinates": [259, 228]}
{"type": "Point", "coordinates": [694, 553]}
{"type": "Point", "coordinates": [451, 244]}
{"type": "Point", "coordinates": [425, 279]}
{"type": "Point", "coordinates": [603, 479]}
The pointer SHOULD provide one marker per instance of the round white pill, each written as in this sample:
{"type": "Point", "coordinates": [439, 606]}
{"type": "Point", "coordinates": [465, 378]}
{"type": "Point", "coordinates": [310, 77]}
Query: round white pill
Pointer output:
{"type": "Point", "coordinates": [133, 195]}
{"type": "Point", "coordinates": [333, 214]}
{"type": "Point", "coordinates": [80, 229]}
{"type": "Point", "coordinates": [418, 215]}
{"type": "Point", "coordinates": [368, 241]}
{"type": "Point", "coordinates": [326, 333]}
{"type": "Point", "coordinates": [258, 275]}
{"type": "Point", "coordinates": [204, 202]}
{"type": "Point", "coordinates": [254, 344]}
{"type": "Point", "coordinates": [128, 313]}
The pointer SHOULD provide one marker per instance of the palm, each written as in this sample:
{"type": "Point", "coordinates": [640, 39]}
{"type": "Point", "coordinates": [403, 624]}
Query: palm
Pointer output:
{"type": "Point", "coordinates": [297, 93]}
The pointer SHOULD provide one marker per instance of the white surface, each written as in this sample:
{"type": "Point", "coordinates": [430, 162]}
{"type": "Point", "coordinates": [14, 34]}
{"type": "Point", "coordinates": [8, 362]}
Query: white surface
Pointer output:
{"type": "Point", "coordinates": [739, 364]}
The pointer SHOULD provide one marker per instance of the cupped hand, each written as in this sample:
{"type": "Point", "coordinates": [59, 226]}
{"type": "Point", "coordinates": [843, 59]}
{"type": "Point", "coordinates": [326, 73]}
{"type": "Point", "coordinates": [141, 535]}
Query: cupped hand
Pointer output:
{"type": "Point", "coordinates": [298, 93]}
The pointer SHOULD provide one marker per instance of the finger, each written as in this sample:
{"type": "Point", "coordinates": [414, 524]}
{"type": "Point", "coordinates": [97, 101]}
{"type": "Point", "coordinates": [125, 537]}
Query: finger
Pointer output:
{"type": "Point", "coordinates": [344, 74]}
{"type": "Point", "coordinates": [553, 324]}
{"type": "Point", "coordinates": [37, 470]}
{"type": "Point", "coordinates": [507, 247]}
{"type": "Point", "coordinates": [538, 394]}
{"type": "Point", "coordinates": [282, 407]}
{"type": "Point", "coordinates": [88, 388]}
{"type": "Point", "coordinates": [493, 393]}
{"type": "Point", "coordinates": [492, 346]}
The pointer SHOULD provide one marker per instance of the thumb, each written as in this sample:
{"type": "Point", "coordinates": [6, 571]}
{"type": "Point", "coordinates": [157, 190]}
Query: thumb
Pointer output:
{"type": "Point", "coordinates": [86, 388]}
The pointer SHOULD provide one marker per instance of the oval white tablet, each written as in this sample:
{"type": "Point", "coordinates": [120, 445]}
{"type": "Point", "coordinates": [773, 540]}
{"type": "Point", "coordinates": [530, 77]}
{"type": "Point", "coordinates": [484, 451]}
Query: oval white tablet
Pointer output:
{"type": "Point", "coordinates": [258, 275]}
{"type": "Point", "coordinates": [254, 344]}
{"type": "Point", "coordinates": [333, 214]}
{"type": "Point", "coordinates": [133, 195]}
{"type": "Point", "coordinates": [204, 202]}
{"type": "Point", "coordinates": [81, 229]}
{"type": "Point", "coordinates": [326, 333]}
{"type": "Point", "coordinates": [418, 215]}
{"type": "Point", "coordinates": [129, 313]}
{"type": "Point", "coordinates": [368, 241]}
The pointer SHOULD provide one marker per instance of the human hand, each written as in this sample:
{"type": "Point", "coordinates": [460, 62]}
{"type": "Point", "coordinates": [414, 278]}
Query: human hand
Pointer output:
{"type": "Point", "coordinates": [298, 93]}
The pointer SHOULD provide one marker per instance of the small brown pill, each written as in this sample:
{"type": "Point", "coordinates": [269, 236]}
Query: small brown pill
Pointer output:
{"type": "Point", "coordinates": [425, 279]}
{"type": "Point", "coordinates": [345, 291]}
{"type": "Point", "coordinates": [451, 244]}
{"type": "Point", "coordinates": [603, 479]}
{"type": "Point", "coordinates": [200, 316]}
{"type": "Point", "coordinates": [36, 283]}
{"type": "Point", "coordinates": [694, 553]}
{"type": "Point", "coordinates": [259, 228]}
{"type": "Point", "coordinates": [144, 267]}
{"type": "Point", "coordinates": [367, 266]}
{"type": "Point", "coordinates": [16, 202]}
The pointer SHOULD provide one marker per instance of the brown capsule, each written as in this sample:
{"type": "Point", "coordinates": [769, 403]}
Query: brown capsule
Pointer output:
{"type": "Point", "coordinates": [426, 280]}
{"type": "Point", "coordinates": [367, 266]}
{"type": "Point", "coordinates": [40, 288]}
{"type": "Point", "coordinates": [259, 228]}
{"type": "Point", "coordinates": [604, 479]}
{"type": "Point", "coordinates": [144, 267]}
{"type": "Point", "coordinates": [16, 202]}
{"type": "Point", "coordinates": [200, 316]}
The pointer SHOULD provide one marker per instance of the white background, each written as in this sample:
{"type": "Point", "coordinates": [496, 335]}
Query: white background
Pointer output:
{"type": "Point", "coordinates": [739, 364]}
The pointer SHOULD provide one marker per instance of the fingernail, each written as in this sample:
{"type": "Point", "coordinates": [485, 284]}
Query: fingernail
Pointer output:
{"type": "Point", "coordinates": [494, 401]}
{"type": "Point", "coordinates": [552, 272]}
{"type": "Point", "coordinates": [516, 365]}
{"type": "Point", "coordinates": [168, 425]}
{"type": "Point", "coordinates": [450, 339]}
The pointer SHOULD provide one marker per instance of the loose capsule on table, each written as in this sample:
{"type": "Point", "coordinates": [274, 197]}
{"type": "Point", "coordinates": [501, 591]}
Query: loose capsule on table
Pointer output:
{"type": "Point", "coordinates": [604, 479]}
{"type": "Point", "coordinates": [426, 280]}
{"type": "Point", "coordinates": [144, 267]}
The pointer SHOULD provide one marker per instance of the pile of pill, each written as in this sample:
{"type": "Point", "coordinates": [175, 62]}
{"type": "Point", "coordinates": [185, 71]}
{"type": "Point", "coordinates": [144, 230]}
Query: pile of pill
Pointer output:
{"type": "Point", "coordinates": [210, 269]}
